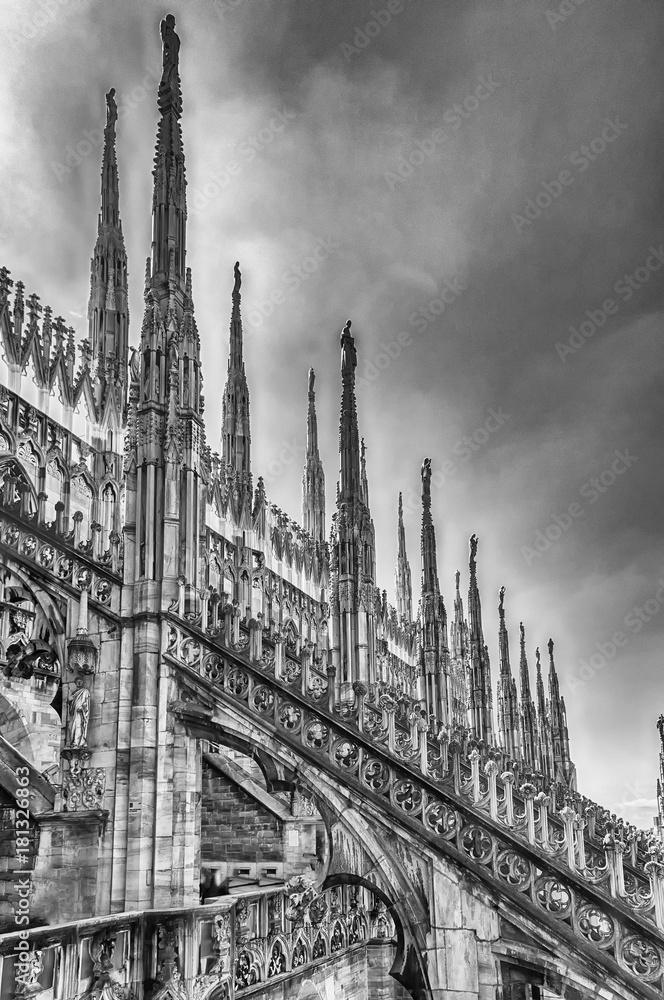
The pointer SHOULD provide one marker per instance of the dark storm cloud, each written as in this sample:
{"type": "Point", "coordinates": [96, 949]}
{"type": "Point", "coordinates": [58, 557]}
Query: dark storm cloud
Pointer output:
{"type": "Point", "coordinates": [417, 159]}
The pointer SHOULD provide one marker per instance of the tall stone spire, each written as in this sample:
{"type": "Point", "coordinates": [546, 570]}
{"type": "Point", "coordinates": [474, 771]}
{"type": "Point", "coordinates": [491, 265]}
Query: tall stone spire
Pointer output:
{"type": "Point", "coordinates": [428, 536]}
{"type": "Point", "coordinates": [108, 309]}
{"type": "Point", "coordinates": [353, 544]}
{"type": "Point", "coordinates": [349, 438]}
{"type": "Point", "coordinates": [169, 210]}
{"type": "Point", "coordinates": [508, 705]}
{"type": "Point", "coordinates": [235, 423]}
{"type": "Point", "coordinates": [402, 580]}
{"type": "Point", "coordinates": [433, 617]}
{"type": "Point", "coordinates": [165, 468]}
{"type": "Point", "coordinates": [313, 479]}
{"type": "Point", "coordinates": [168, 399]}
{"type": "Point", "coordinates": [479, 670]}
{"type": "Point", "coordinates": [529, 741]}
{"type": "Point", "coordinates": [545, 749]}
{"type": "Point", "coordinates": [459, 631]}
{"type": "Point", "coordinates": [559, 732]}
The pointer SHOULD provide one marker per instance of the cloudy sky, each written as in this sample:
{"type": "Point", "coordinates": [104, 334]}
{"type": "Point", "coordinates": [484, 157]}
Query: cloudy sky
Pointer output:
{"type": "Point", "coordinates": [469, 182]}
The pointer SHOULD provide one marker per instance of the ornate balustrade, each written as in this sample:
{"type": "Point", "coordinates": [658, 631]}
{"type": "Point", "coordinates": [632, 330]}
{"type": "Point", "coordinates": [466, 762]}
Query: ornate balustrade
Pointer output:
{"type": "Point", "coordinates": [386, 715]}
{"type": "Point", "coordinates": [74, 561]}
{"type": "Point", "coordinates": [506, 839]}
{"type": "Point", "coordinates": [225, 947]}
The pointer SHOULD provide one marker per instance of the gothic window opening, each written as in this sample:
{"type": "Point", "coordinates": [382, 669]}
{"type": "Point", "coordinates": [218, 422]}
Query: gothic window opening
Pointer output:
{"type": "Point", "coordinates": [277, 960]}
{"type": "Point", "coordinates": [108, 508]}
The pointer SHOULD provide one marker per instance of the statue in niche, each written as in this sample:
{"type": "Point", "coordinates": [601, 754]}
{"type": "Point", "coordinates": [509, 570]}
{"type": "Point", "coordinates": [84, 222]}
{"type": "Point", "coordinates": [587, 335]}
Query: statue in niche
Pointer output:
{"type": "Point", "coordinates": [79, 715]}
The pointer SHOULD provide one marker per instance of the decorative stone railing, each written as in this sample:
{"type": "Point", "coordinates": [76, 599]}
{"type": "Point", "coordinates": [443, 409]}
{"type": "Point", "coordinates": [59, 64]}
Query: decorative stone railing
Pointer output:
{"type": "Point", "coordinates": [74, 561]}
{"type": "Point", "coordinates": [387, 715]}
{"type": "Point", "coordinates": [225, 947]}
{"type": "Point", "coordinates": [510, 841]}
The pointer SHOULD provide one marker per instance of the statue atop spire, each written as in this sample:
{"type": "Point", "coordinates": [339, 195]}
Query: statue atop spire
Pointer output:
{"type": "Point", "coordinates": [348, 352]}
{"type": "Point", "coordinates": [171, 53]}
{"type": "Point", "coordinates": [473, 554]}
{"type": "Point", "coordinates": [111, 109]}
{"type": "Point", "coordinates": [660, 726]}
{"type": "Point", "coordinates": [238, 279]}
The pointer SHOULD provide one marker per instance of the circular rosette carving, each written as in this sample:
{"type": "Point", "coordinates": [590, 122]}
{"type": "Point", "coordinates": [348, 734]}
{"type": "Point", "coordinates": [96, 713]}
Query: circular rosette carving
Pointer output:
{"type": "Point", "coordinates": [346, 755]}
{"type": "Point", "coordinates": [596, 926]}
{"type": "Point", "coordinates": [375, 775]}
{"type": "Point", "coordinates": [316, 734]}
{"type": "Point", "coordinates": [237, 682]}
{"type": "Point", "coordinates": [262, 699]}
{"type": "Point", "coordinates": [292, 671]}
{"type": "Point", "coordinates": [11, 535]}
{"type": "Point", "coordinates": [407, 796]}
{"type": "Point", "coordinates": [441, 819]}
{"type": "Point", "coordinates": [103, 591]}
{"type": "Point", "coordinates": [642, 958]}
{"type": "Point", "coordinates": [554, 897]}
{"type": "Point", "coordinates": [46, 556]}
{"type": "Point", "coordinates": [290, 717]}
{"type": "Point", "coordinates": [29, 546]}
{"type": "Point", "coordinates": [513, 869]}
{"type": "Point", "coordinates": [213, 667]}
{"type": "Point", "coordinates": [64, 568]}
{"type": "Point", "coordinates": [190, 652]}
{"type": "Point", "coordinates": [83, 578]}
{"type": "Point", "coordinates": [477, 843]}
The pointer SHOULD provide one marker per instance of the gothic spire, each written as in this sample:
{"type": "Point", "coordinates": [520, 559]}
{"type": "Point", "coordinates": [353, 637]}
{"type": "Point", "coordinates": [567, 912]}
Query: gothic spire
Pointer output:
{"type": "Point", "coordinates": [503, 643]}
{"type": "Point", "coordinates": [430, 583]}
{"type": "Point", "coordinates": [349, 440]}
{"type": "Point", "coordinates": [524, 675]}
{"type": "Point", "coordinates": [479, 680]}
{"type": "Point", "coordinates": [459, 633]}
{"type": "Point", "coordinates": [108, 310]}
{"type": "Point", "coordinates": [402, 579]}
{"type": "Point", "coordinates": [508, 708]}
{"type": "Point", "coordinates": [313, 478]}
{"type": "Point", "coordinates": [169, 209]}
{"type": "Point", "coordinates": [528, 714]}
{"type": "Point", "coordinates": [235, 423]}
{"type": "Point", "coordinates": [558, 717]}
{"type": "Point", "coordinates": [541, 701]}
